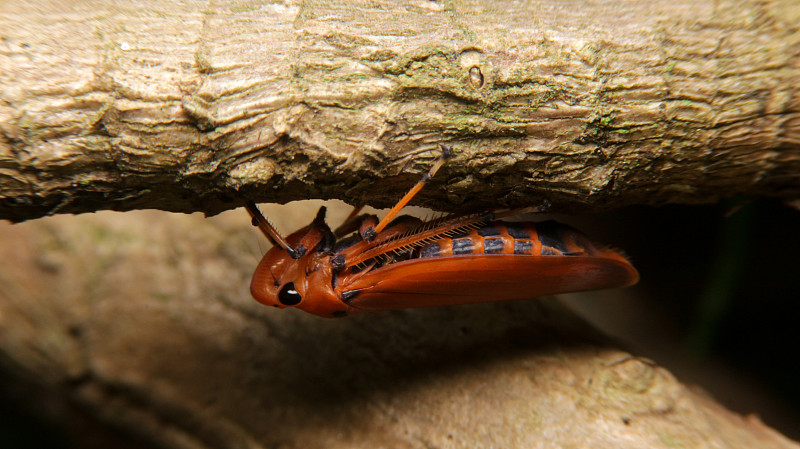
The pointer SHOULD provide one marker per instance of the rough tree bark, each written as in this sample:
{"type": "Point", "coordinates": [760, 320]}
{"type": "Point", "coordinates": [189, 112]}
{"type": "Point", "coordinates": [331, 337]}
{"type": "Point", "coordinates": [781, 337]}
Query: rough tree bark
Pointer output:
{"type": "Point", "coordinates": [193, 106]}
{"type": "Point", "coordinates": [143, 322]}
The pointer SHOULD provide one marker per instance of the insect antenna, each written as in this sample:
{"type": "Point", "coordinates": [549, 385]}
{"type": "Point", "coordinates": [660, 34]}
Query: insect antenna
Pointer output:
{"type": "Point", "coordinates": [447, 151]}
{"type": "Point", "coordinates": [274, 278]}
{"type": "Point", "coordinates": [272, 234]}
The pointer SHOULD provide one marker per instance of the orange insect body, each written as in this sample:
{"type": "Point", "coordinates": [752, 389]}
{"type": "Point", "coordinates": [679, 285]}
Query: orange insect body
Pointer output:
{"type": "Point", "coordinates": [405, 262]}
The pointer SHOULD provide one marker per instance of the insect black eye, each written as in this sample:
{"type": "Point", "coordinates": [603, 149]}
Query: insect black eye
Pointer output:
{"type": "Point", "coordinates": [288, 296]}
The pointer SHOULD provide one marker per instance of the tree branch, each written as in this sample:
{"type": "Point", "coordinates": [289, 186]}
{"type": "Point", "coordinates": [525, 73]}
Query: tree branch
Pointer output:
{"type": "Point", "coordinates": [194, 107]}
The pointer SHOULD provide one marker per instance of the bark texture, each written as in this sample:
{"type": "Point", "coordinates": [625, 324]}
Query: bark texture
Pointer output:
{"type": "Point", "coordinates": [193, 106]}
{"type": "Point", "coordinates": [142, 322]}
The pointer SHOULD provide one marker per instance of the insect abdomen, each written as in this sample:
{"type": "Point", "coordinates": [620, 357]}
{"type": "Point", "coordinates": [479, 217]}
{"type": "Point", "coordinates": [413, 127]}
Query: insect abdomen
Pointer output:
{"type": "Point", "coordinates": [523, 238]}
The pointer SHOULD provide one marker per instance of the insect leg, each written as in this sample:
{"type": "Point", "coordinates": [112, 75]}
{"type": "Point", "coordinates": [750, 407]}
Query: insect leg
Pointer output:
{"type": "Point", "coordinates": [367, 228]}
{"type": "Point", "coordinates": [364, 224]}
{"type": "Point", "coordinates": [272, 234]}
{"type": "Point", "coordinates": [350, 224]}
{"type": "Point", "coordinates": [447, 150]}
{"type": "Point", "coordinates": [353, 214]}
{"type": "Point", "coordinates": [541, 208]}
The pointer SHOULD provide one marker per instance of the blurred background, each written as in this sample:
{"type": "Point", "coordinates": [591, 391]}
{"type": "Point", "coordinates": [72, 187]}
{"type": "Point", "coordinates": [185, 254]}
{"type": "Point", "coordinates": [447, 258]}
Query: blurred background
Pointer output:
{"type": "Point", "coordinates": [717, 303]}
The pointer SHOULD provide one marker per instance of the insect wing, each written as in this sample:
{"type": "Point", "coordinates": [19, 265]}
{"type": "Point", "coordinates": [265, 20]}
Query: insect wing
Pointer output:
{"type": "Point", "coordinates": [465, 279]}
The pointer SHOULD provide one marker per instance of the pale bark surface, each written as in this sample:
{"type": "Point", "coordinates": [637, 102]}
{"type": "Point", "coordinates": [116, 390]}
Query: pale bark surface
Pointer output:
{"type": "Point", "coordinates": [193, 106]}
{"type": "Point", "coordinates": [142, 322]}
